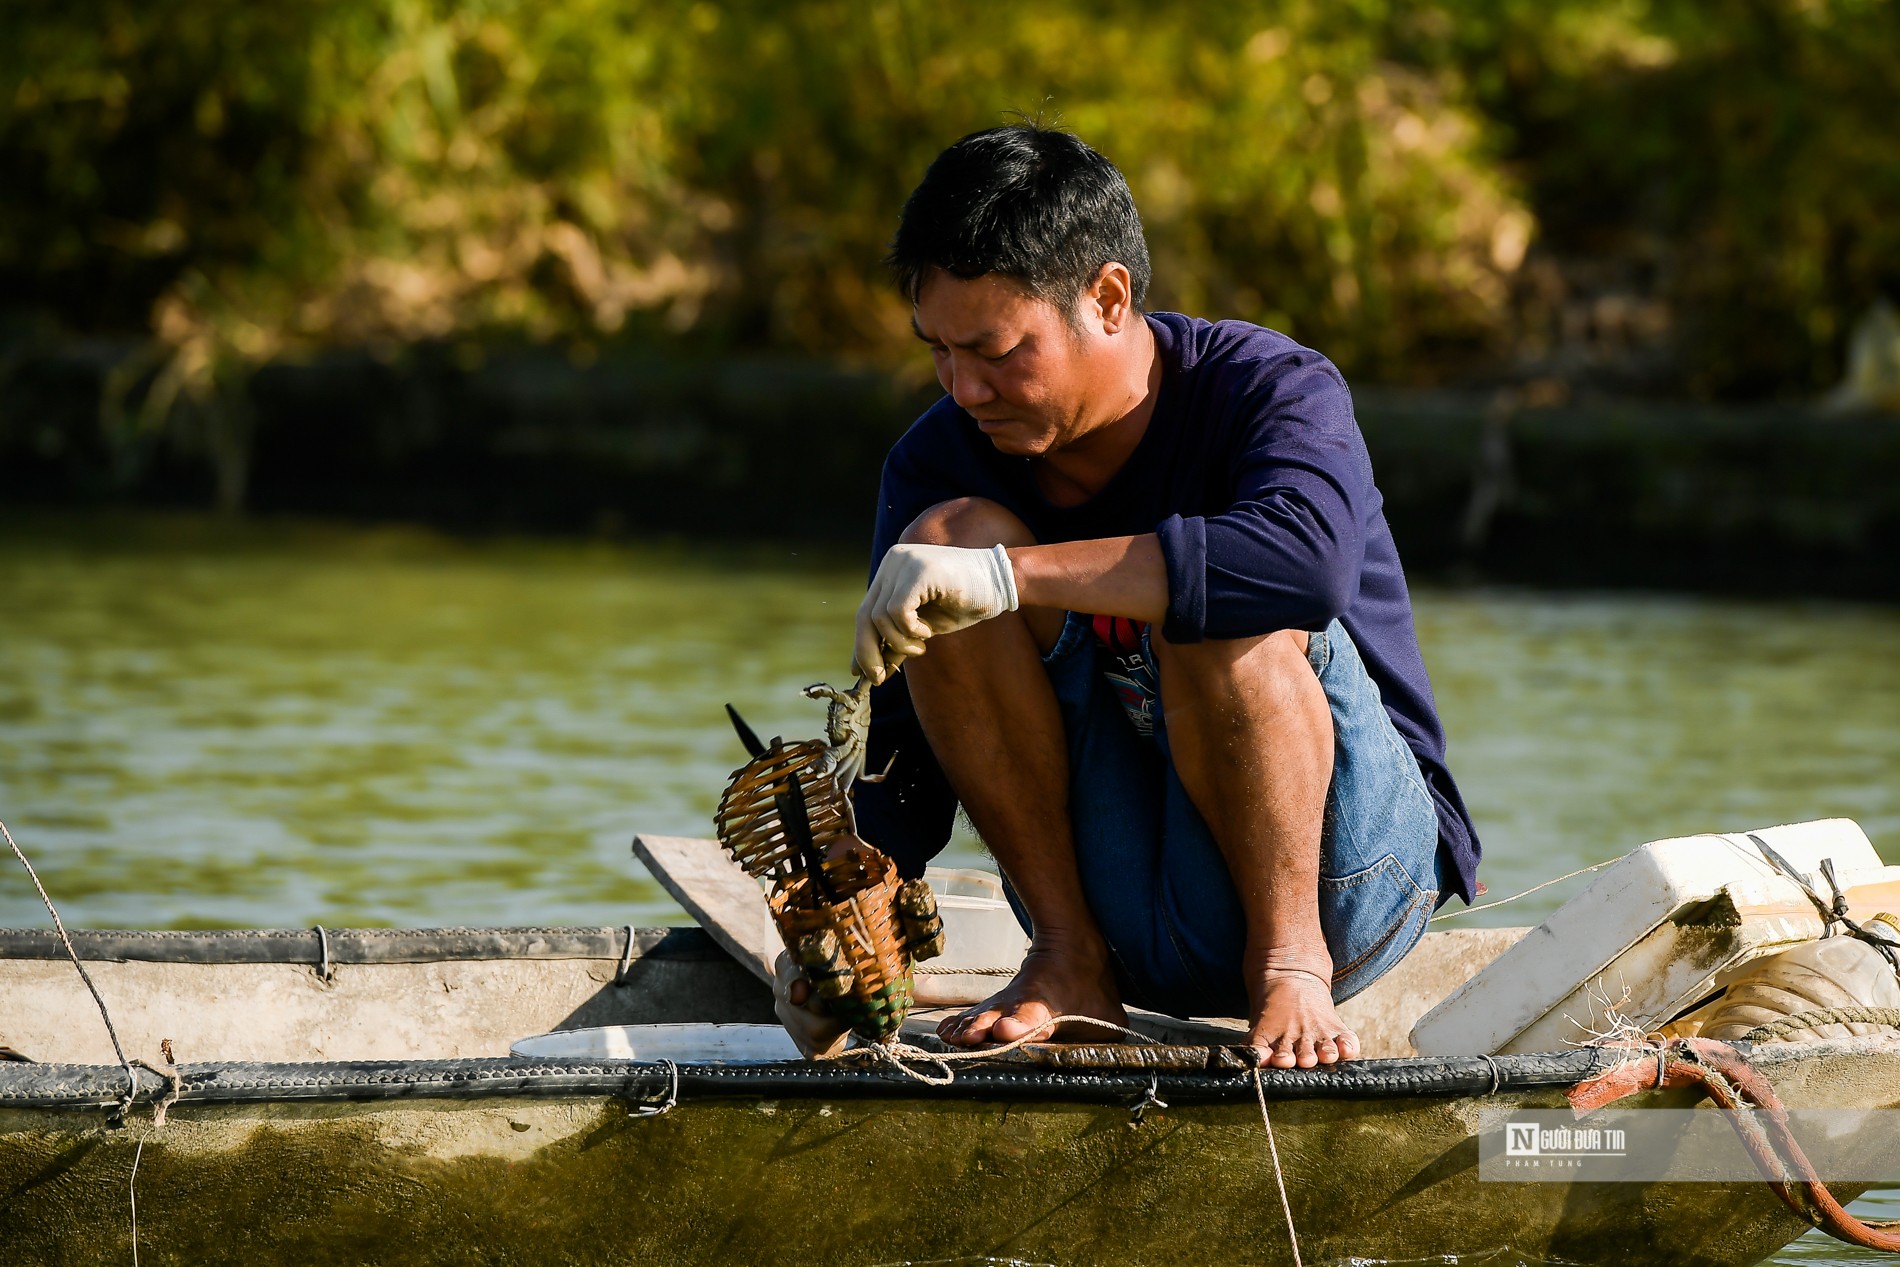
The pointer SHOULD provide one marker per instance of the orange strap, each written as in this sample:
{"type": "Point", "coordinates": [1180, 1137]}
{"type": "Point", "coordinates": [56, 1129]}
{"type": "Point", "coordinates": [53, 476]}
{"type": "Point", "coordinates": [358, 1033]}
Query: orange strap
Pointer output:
{"type": "Point", "coordinates": [1734, 1084]}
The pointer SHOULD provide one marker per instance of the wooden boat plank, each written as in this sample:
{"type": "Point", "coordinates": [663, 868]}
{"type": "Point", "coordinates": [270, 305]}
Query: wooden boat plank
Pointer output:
{"type": "Point", "coordinates": [717, 893]}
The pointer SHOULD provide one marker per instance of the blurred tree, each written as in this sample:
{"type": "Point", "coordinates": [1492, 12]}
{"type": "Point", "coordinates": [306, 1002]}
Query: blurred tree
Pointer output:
{"type": "Point", "coordinates": [239, 183]}
{"type": "Point", "coordinates": [1287, 171]}
{"type": "Point", "coordinates": [386, 169]}
{"type": "Point", "coordinates": [1736, 161]}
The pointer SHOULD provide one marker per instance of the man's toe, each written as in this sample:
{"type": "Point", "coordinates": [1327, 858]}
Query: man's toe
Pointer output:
{"type": "Point", "coordinates": [1010, 1027]}
{"type": "Point", "coordinates": [968, 1027]}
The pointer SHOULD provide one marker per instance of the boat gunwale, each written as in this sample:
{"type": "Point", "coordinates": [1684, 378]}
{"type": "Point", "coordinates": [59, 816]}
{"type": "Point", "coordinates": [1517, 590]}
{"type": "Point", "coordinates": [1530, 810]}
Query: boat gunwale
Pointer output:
{"type": "Point", "coordinates": [35, 1085]}
{"type": "Point", "coordinates": [29, 1085]}
{"type": "Point", "coordinates": [359, 946]}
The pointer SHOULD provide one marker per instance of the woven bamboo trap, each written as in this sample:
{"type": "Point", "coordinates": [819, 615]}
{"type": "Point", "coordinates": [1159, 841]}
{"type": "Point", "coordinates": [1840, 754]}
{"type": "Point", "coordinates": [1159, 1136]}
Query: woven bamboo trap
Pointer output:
{"type": "Point", "coordinates": [750, 823]}
{"type": "Point", "coordinates": [853, 949]}
{"type": "Point", "coordinates": [852, 924]}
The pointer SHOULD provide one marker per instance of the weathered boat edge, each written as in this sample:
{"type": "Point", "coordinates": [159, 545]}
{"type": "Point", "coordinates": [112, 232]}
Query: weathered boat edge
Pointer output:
{"type": "Point", "coordinates": [320, 947]}
{"type": "Point", "coordinates": [58, 1086]}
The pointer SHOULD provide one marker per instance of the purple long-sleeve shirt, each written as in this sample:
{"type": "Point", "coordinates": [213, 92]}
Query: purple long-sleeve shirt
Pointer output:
{"type": "Point", "coordinates": [1255, 477]}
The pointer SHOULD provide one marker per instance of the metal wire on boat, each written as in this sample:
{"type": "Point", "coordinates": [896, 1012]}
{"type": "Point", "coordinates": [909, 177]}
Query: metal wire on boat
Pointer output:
{"type": "Point", "coordinates": [626, 959]}
{"type": "Point", "coordinates": [1150, 1099]}
{"type": "Point", "coordinates": [1835, 911]}
{"type": "Point", "coordinates": [325, 970]}
{"type": "Point", "coordinates": [672, 1095]}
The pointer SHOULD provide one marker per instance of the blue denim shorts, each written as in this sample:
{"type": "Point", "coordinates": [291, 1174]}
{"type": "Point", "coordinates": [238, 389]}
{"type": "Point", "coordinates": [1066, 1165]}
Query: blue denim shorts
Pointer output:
{"type": "Point", "coordinates": [1155, 880]}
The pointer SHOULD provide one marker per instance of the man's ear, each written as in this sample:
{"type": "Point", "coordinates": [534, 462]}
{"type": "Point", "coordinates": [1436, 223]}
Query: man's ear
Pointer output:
{"type": "Point", "coordinates": [1110, 300]}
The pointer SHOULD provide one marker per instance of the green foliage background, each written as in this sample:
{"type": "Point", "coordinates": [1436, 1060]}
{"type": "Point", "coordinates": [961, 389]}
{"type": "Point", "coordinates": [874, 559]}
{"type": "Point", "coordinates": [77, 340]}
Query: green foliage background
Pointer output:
{"type": "Point", "coordinates": [1417, 189]}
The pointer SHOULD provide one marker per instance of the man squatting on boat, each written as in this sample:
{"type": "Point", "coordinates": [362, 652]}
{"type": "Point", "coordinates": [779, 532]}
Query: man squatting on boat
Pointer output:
{"type": "Point", "coordinates": [1154, 633]}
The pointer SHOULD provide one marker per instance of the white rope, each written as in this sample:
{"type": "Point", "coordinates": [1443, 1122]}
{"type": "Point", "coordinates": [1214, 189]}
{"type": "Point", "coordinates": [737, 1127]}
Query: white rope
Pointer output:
{"type": "Point", "coordinates": [1037, 1035]}
{"type": "Point", "coordinates": [931, 969]}
{"type": "Point", "coordinates": [1485, 906]}
{"type": "Point", "coordinates": [132, 1190]}
{"type": "Point", "coordinates": [895, 1054]}
{"type": "Point", "coordinates": [1286, 1207]}
{"type": "Point", "coordinates": [174, 1084]}
{"type": "Point", "coordinates": [174, 1087]}
{"type": "Point", "coordinates": [59, 926]}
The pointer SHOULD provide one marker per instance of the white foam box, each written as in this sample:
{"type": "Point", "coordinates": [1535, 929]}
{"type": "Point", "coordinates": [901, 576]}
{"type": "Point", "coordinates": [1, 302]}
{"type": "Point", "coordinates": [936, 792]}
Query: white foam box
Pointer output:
{"type": "Point", "coordinates": [1656, 932]}
{"type": "Point", "coordinates": [981, 934]}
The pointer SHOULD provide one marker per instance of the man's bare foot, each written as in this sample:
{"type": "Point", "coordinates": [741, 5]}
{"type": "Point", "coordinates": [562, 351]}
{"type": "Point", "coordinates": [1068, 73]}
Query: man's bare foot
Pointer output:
{"type": "Point", "coordinates": [1055, 980]}
{"type": "Point", "coordinates": [1296, 1024]}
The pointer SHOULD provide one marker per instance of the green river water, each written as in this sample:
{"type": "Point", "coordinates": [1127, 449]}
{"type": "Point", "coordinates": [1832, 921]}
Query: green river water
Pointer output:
{"type": "Point", "coordinates": [281, 725]}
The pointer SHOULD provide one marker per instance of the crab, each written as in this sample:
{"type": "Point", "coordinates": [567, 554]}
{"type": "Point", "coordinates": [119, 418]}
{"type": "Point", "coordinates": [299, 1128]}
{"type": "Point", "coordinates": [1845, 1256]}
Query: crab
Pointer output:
{"type": "Point", "coordinates": [838, 759]}
{"type": "Point", "coordinates": [848, 732]}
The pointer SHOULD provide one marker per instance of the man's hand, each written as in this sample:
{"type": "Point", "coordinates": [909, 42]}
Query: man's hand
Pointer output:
{"type": "Point", "coordinates": [922, 590]}
{"type": "Point", "coordinates": [817, 1035]}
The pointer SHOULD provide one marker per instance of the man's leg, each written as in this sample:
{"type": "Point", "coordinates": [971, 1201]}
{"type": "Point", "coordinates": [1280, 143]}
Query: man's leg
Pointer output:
{"type": "Point", "coordinates": [1250, 734]}
{"type": "Point", "coordinates": [993, 721]}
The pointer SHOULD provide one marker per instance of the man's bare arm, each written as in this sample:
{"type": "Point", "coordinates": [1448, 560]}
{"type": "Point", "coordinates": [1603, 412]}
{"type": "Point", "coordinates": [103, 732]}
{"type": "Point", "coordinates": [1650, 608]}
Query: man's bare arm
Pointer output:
{"type": "Point", "coordinates": [1111, 576]}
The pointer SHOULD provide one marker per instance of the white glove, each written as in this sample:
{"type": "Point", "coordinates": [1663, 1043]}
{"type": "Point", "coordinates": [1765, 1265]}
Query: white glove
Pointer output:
{"type": "Point", "coordinates": [924, 590]}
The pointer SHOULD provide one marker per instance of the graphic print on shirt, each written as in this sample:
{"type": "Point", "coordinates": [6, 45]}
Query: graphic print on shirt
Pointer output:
{"type": "Point", "coordinates": [1130, 669]}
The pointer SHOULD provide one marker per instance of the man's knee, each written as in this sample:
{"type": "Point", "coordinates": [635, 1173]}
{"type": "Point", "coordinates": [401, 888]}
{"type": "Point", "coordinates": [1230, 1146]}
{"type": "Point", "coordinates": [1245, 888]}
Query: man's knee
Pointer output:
{"type": "Point", "coordinates": [978, 523]}
{"type": "Point", "coordinates": [1240, 685]}
{"type": "Point", "coordinates": [975, 522]}
{"type": "Point", "coordinates": [1225, 662]}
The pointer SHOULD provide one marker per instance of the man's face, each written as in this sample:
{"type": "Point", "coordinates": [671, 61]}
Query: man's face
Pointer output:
{"type": "Point", "coordinates": [1012, 361]}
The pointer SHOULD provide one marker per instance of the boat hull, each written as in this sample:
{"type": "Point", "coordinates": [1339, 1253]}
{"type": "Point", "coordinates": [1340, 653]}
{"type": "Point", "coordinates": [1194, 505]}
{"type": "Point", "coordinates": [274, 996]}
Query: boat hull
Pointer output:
{"type": "Point", "coordinates": [275, 1151]}
{"type": "Point", "coordinates": [830, 1174]}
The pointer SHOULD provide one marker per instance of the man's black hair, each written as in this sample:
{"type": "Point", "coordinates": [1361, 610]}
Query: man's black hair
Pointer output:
{"type": "Point", "coordinates": [1027, 201]}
